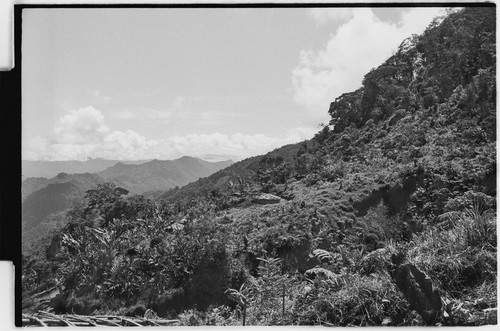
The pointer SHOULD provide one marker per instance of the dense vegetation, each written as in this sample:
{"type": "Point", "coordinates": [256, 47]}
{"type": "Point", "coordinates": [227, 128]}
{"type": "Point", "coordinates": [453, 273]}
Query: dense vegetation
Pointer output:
{"type": "Point", "coordinates": [404, 174]}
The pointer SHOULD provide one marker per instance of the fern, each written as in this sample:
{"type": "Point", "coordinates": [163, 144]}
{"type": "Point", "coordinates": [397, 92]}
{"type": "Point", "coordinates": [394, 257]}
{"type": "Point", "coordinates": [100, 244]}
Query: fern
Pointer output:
{"type": "Point", "coordinates": [322, 273]}
{"type": "Point", "coordinates": [326, 277]}
{"type": "Point", "coordinates": [269, 268]}
{"type": "Point", "coordinates": [115, 266]}
{"type": "Point", "coordinates": [322, 255]}
{"type": "Point", "coordinates": [475, 224]}
{"type": "Point", "coordinates": [69, 241]}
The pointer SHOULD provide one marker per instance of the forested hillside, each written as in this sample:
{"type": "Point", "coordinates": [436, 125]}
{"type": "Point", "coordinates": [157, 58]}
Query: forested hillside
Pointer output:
{"type": "Point", "coordinates": [386, 217]}
{"type": "Point", "coordinates": [46, 201]}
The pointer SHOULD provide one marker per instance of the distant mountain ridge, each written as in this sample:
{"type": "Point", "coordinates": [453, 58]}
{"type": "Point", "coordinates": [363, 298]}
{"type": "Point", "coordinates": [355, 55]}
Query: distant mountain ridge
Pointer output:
{"type": "Point", "coordinates": [49, 169]}
{"type": "Point", "coordinates": [160, 175]}
{"type": "Point", "coordinates": [83, 181]}
{"type": "Point", "coordinates": [44, 198]}
{"type": "Point", "coordinates": [57, 195]}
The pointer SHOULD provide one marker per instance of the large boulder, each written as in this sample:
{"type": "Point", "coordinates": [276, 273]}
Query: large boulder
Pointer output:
{"type": "Point", "coordinates": [266, 199]}
{"type": "Point", "coordinates": [418, 290]}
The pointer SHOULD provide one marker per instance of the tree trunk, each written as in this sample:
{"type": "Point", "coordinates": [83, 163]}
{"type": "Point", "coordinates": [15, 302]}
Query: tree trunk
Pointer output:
{"type": "Point", "coordinates": [283, 304]}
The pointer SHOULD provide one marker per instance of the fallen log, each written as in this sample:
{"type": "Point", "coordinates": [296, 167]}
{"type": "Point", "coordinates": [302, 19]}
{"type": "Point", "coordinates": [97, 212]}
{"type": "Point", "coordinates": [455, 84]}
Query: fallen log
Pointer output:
{"type": "Point", "coordinates": [47, 319]}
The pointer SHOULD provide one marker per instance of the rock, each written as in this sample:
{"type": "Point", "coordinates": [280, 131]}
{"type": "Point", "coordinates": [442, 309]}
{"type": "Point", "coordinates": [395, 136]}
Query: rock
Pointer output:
{"type": "Point", "coordinates": [266, 199]}
{"type": "Point", "coordinates": [418, 290]}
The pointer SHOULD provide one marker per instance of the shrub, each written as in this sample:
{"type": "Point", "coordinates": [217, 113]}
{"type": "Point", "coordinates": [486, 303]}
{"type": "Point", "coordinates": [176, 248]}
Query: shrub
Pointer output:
{"type": "Point", "coordinates": [135, 310]}
{"type": "Point", "coordinates": [84, 305]}
{"type": "Point", "coordinates": [353, 300]}
{"type": "Point", "coordinates": [460, 255]}
{"type": "Point", "coordinates": [378, 261]}
{"type": "Point", "coordinates": [475, 225]}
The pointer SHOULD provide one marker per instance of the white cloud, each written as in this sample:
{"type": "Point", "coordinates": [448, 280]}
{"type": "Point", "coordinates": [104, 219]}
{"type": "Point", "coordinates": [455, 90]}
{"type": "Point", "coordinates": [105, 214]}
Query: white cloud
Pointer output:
{"type": "Point", "coordinates": [83, 133]}
{"type": "Point", "coordinates": [416, 20]}
{"type": "Point", "coordinates": [237, 145]}
{"type": "Point", "coordinates": [80, 126]}
{"type": "Point", "coordinates": [299, 134]}
{"type": "Point", "coordinates": [360, 44]}
{"type": "Point", "coordinates": [324, 15]}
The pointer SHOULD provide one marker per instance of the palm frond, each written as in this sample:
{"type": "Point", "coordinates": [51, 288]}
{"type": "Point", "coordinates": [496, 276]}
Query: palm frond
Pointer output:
{"type": "Point", "coordinates": [322, 255]}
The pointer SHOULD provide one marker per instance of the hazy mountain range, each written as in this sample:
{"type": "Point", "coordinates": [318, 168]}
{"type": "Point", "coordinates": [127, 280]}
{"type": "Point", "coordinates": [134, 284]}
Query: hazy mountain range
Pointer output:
{"type": "Point", "coordinates": [44, 198]}
{"type": "Point", "coordinates": [160, 175]}
{"type": "Point", "coordinates": [49, 169]}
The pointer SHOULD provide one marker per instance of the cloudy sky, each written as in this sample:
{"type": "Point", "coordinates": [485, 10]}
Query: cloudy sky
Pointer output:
{"type": "Point", "coordinates": [134, 84]}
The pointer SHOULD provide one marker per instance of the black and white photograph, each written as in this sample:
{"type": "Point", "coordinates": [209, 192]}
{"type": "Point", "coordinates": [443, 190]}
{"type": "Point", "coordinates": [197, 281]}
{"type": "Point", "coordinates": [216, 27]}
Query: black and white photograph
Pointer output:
{"type": "Point", "coordinates": [258, 165]}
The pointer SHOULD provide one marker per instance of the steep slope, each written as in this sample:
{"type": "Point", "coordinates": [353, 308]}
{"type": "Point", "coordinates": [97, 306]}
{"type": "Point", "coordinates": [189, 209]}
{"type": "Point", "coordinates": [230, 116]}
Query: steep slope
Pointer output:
{"type": "Point", "coordinates": [427, 113]}
{"type": "Point", "coordinates": [32, 184]}
{"type": "Point", "coordinates": [48, 200]}
{"type": "Point", "coordinates": [83, 182]}
{"type": "Point", "coordinates": [49, 197]}
{"type": "Point", "coordinates": [160, 175]}
{"type": "Point", "coordinates": [405, 154]}
{"type": "Point", "coordinates": [238, 176]}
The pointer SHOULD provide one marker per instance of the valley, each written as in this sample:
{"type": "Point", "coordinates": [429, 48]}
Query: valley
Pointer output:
{"type": "Point", "coordinates": [45, 201]}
